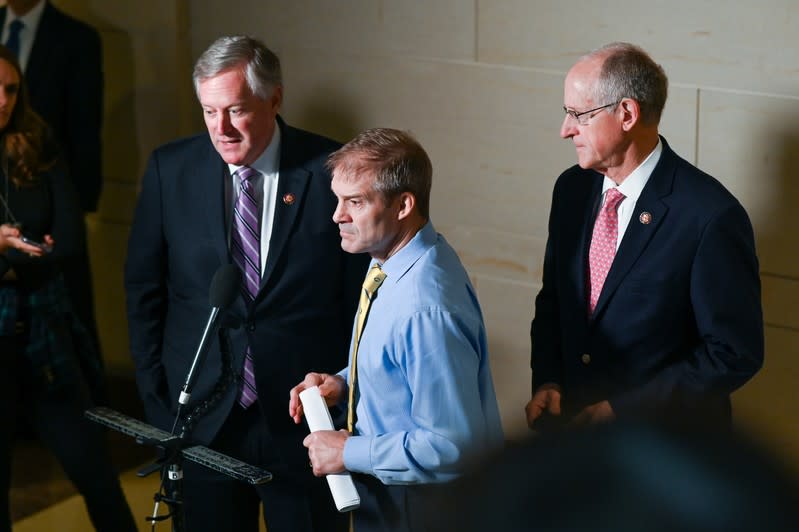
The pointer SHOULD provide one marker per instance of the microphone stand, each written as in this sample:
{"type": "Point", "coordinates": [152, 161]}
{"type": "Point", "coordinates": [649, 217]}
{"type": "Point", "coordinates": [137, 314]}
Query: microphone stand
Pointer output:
{"type": "Point", "coordinates": [174, 449]}
{"type": "Point", "coordinates": [170, 491]}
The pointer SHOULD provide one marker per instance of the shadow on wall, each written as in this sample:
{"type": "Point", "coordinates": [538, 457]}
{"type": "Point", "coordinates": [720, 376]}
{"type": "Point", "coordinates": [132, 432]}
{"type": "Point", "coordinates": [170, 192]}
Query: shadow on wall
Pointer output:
{"type": "Point", "coordinates": [121, 168]}
{"type": "Point", "coordinates": [328, 112]}
{"type": "Point", "coordinates": [777, 233]}
{"type": "Point", "coordinates": [121, 159]}
{"type": "Point", "coordinates": [121, 145]}
{"type": "Point", "coordinates": [767, 402]}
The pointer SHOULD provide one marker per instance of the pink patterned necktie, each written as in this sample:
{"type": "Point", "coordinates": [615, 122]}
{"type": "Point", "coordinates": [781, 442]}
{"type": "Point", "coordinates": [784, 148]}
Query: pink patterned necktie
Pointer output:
{"type": "Point", "coordinates": [246, 251]}
{"type": "Point", "coordinates": [603, 245]}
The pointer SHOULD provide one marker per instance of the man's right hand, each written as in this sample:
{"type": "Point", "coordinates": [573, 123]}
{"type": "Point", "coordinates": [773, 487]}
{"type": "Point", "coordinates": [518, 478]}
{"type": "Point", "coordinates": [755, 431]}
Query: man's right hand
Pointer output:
{"type": "Point", "coordinates": [545, 399]}
{"type": "Point", "coordinates": [332, 388]}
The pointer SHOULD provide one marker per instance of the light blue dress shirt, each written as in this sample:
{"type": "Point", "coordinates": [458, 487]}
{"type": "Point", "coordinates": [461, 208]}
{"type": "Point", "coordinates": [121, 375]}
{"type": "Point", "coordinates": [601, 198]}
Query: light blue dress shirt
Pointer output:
{"type": "Point", "coordinates": [427, 401]}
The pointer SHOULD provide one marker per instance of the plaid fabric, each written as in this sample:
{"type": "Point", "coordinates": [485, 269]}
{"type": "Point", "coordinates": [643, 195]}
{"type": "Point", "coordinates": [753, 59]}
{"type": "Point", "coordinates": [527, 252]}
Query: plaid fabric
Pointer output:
{"type": "Point", "coordinates": [58, 346]}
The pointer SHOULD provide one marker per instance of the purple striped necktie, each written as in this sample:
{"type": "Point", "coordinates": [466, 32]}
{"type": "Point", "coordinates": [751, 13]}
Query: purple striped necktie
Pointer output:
{"type": "Point", "coordinates": [245, 248]}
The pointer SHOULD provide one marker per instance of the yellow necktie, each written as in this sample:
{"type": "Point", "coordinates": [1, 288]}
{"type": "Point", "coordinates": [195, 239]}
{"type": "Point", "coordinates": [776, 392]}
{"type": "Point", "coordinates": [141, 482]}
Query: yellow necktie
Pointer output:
{"type": "Point", "coordinates": [374, 279]}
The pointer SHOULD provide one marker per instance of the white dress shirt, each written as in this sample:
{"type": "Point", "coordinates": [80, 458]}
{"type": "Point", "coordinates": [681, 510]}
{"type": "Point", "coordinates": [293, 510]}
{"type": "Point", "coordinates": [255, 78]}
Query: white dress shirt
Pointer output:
{"type": "Point", "coordinates": [631, 187]}
{"type": "Point", "coordinates": [265, 186]}
{"type": "Point", "coordinates": [27, 33]}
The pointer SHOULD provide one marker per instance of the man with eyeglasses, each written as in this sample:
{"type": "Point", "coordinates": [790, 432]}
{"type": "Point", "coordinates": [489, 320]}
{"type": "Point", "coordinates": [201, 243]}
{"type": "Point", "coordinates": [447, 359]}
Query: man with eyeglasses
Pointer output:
{"type": "Point", "coordinates": [650, 302]}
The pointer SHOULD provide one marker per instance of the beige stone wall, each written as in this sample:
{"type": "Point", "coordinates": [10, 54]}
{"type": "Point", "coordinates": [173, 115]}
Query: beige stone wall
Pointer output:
{"type": "Point", "coordinates": [148, 98]}
{"type": "Point", "coordinates": [480, 83]}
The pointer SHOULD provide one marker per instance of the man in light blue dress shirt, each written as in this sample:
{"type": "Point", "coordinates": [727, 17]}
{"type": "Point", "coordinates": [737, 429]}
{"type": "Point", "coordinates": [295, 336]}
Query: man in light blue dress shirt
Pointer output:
{"type": "Point", "coordinates": [425, 398]}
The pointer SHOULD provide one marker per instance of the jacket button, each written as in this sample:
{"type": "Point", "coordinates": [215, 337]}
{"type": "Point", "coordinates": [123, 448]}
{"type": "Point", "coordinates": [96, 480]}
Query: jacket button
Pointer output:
{"type": "Point", "coordinates": [251, 326]}
{"type": "Point", "coordinates": [586, 358]}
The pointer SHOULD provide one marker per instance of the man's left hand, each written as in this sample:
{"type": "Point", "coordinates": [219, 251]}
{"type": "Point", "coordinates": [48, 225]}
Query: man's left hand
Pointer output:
{"type": "Point", "coordinates": [596, 413]}
{"type": "Point", "coordinates": [326, 451]}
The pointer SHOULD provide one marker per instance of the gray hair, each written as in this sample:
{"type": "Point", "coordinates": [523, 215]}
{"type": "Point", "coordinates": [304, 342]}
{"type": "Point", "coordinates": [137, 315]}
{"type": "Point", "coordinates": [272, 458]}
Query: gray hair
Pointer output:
{"type": "Point", "coordinates": [261, 65]}
{"type": "Point", "coordinates": [396, 159]}
{"type": "Point", "coordinates": [629, 72]}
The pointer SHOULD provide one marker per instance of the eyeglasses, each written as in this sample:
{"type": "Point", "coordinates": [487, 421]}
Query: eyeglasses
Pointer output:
{"type": "Point", "coordinates": [584, 120]}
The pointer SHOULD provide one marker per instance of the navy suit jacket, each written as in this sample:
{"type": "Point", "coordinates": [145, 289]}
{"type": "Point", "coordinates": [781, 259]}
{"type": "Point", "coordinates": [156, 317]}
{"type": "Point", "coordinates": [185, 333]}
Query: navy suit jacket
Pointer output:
{"type": "Point", "coordinates": [678, 322]}
{"type": "Point", "coordinates": [301, 319]}
{"type": "Point", "coordinates": [64, 77]}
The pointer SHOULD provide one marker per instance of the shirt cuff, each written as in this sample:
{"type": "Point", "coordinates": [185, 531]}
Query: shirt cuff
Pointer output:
{"type": "Point", "coordinates": [357, 455]}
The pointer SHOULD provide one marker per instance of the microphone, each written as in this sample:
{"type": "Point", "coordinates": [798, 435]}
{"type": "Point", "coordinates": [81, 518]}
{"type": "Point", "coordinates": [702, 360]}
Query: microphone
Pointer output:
{"type": "Point", "coordinates": [224, 288]}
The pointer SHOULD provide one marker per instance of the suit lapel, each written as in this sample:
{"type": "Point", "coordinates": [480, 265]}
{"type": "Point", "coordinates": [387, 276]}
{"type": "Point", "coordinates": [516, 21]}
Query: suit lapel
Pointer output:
{"type": "Point", "coordinates": [212, 173]}
{"type": "Point", "coordinates": [291, 188]}
{"type": "Point", "coordinates": [46, 39]}
{"type": "Point", "coordinates": [574, 224]}
{"type": "Point", "coordinates": [638, 233]}
{"type": "Point", "coordinates": [589, 205]}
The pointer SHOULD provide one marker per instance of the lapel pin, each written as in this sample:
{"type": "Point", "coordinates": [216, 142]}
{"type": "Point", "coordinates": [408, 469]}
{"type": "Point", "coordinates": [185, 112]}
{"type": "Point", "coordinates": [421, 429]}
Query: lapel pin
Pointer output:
{"type": "Point", "coordinates": [645, 218]}
{"type": "Point", "coordinates": [288, 198]}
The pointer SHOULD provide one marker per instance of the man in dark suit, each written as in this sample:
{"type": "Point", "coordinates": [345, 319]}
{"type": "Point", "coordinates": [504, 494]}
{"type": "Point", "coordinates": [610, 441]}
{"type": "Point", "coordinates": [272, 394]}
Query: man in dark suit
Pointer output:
{"type": "Point", "coordinates": [203, 200]}
{"type": "Point", "coordinates": [62, 61]}
{"type": "Point", "coordinates": [651, 294]}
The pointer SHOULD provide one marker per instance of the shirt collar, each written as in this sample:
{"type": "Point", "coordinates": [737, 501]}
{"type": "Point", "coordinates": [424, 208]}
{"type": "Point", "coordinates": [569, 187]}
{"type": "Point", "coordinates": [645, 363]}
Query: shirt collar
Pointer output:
{"type": "Point", "coordinates": [400, 262]}
{"type": "Point", "coordinates": [636, 181]}
{"type": "Point", "coordinates": [30, 19]}
{"type": "Point", "coordinates": [268, 162]}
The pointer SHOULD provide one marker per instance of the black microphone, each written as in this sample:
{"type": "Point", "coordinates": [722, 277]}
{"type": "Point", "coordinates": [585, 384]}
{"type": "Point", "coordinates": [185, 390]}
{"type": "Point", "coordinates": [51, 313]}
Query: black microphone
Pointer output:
{"type": "Point", "coordinates": [224, 288]}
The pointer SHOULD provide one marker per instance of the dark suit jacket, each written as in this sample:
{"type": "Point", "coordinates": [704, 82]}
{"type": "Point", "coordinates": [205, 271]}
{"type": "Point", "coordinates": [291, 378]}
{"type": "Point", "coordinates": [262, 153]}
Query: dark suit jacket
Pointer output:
{"type": "Point", "coordinates": [64, 77]}
{"type": "Point", "coordinates": [301, 319]}
{"type": "Point", "coordinates": [678, 321]}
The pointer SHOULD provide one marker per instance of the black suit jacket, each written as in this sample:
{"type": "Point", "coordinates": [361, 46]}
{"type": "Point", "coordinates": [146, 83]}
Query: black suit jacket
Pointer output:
{"type": "Point", "coordinates": [299, 322]}
{"type": "Point", "coordinates": [64, 76]}
{"type": "Point", "coordinates": [679, 319]}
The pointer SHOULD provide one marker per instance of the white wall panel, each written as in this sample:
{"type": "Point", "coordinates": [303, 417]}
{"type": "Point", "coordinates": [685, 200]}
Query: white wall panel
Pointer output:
{"type": "Point", "coordinates": [497, 254]}
{"type": "Point", "coordinates": [749, 45]}
{"type": "Point", "coordinates": [437, 28]}
{"type": "Point", "coordinates": [492, 133]}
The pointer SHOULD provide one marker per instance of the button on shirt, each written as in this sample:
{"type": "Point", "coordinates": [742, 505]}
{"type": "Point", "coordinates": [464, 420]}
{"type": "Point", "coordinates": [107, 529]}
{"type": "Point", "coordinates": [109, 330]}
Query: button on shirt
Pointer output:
{"type": "Point", "coordinates": [426, 396]}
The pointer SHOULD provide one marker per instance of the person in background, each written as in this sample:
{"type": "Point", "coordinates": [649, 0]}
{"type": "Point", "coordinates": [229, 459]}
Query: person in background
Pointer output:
{"type": "Point", "coordinates": [252, 191]}
{"type": "Point", "coordinates": [418, 388]}
{"type": "Point", "coordinates": [44, 349]}
{"type": "Point", "coordinates": [651, 292]}
{"type": "Point", "coordinates": [61, 58]}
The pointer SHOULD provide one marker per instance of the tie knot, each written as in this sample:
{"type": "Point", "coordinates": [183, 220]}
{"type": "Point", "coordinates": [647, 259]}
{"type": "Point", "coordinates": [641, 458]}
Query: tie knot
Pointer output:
{"type": "Point", "coordinates": [374, 279]}
{"type": "Point", "coordinates": [246, 172]}
{"type": "Point", "coordinates": [15, 26]}
{"type": "Point", "coordinates": [612, 198]}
